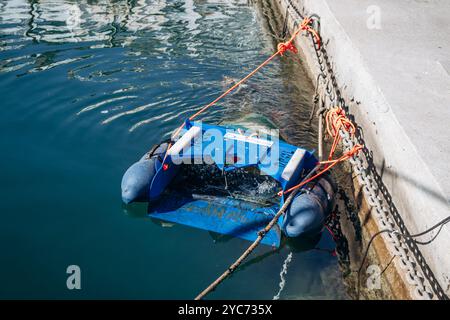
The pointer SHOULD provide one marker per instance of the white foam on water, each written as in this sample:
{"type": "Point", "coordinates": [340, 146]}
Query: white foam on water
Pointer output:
{"type": "Point", "coordinates": [282, 274]}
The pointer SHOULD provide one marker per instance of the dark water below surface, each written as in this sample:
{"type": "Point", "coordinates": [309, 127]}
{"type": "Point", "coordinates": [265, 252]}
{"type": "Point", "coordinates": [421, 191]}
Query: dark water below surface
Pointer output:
{"type": "Point", "coordinates": [86, 87]}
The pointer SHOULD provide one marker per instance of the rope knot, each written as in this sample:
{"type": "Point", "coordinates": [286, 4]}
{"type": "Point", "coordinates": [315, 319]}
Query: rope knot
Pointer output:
{"type": "Point", "coordinates": [306, 26]}
{"type": "Point", "coordinates": [286, 46]}
{"type": "Point", "coordinates": [336, 119]}
{"type": "Point", "coordinates": [353, 151]}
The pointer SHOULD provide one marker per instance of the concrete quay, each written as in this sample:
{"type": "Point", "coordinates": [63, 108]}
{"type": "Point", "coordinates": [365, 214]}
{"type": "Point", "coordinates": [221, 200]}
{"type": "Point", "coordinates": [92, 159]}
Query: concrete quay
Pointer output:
{"type": "Point", "coordinates": [392, 61]}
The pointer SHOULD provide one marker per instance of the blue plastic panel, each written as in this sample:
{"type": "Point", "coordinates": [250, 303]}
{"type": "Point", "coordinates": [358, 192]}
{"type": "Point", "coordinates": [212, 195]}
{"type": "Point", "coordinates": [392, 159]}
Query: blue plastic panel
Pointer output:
{"type": "Point", "coordinates": [218, 214]}
{"type": "Point", "coordinates": [280, 151]}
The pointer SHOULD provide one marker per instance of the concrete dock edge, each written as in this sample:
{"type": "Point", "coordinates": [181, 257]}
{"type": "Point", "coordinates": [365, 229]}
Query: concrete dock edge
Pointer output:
{"type": "Point", "coordinates": [418, 191]}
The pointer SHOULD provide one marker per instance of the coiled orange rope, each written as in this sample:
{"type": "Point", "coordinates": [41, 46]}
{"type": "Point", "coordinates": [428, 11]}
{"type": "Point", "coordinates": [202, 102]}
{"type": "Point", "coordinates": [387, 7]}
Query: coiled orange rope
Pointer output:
{"type": "Point", "coordinates": [335, 119]}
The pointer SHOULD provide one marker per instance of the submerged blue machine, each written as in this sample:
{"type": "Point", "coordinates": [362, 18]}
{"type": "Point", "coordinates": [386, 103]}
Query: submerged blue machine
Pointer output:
{"type": "Point", "coordinates": [219, 179]}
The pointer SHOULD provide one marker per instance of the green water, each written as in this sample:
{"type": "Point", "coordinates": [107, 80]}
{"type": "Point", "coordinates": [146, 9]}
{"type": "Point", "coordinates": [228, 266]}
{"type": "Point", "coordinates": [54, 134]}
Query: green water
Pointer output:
{"type": "Point", "coordinates": [86, 87]}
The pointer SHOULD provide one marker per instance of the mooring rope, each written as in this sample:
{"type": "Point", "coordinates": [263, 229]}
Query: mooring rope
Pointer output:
{"type": "Point", "coordinates": [282, 274]}
{"type": "Point", "coordinates": [281, 49]}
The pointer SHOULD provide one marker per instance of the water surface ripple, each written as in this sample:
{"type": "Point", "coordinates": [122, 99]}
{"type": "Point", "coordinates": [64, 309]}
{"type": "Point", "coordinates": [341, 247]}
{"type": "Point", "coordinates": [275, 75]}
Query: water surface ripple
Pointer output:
{"type": "Point", "coordinates": [86, 88]}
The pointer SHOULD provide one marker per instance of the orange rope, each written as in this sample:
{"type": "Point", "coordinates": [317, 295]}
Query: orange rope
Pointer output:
{"type": "Point", "coordinates": [281, 49]}
{"type": "Point", "coordinates": [335, 118]}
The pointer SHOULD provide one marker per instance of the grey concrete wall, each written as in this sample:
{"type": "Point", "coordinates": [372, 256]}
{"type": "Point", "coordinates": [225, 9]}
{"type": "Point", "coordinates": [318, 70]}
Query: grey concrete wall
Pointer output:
{"type": "Point", "coordinates": [394, 58]}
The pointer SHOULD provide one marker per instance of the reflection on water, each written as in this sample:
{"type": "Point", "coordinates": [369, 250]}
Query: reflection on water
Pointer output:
{"type": "Point", "coordinates": [86, 87]}
{"type": "Point", "coordinates": [166, 42]}
{"type": "Point", "coordinates": [75, 21]}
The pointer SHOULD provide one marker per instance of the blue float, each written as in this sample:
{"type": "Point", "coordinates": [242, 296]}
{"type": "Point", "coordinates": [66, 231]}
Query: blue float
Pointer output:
{"type": "Point", "coordinates": [244, 173]}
